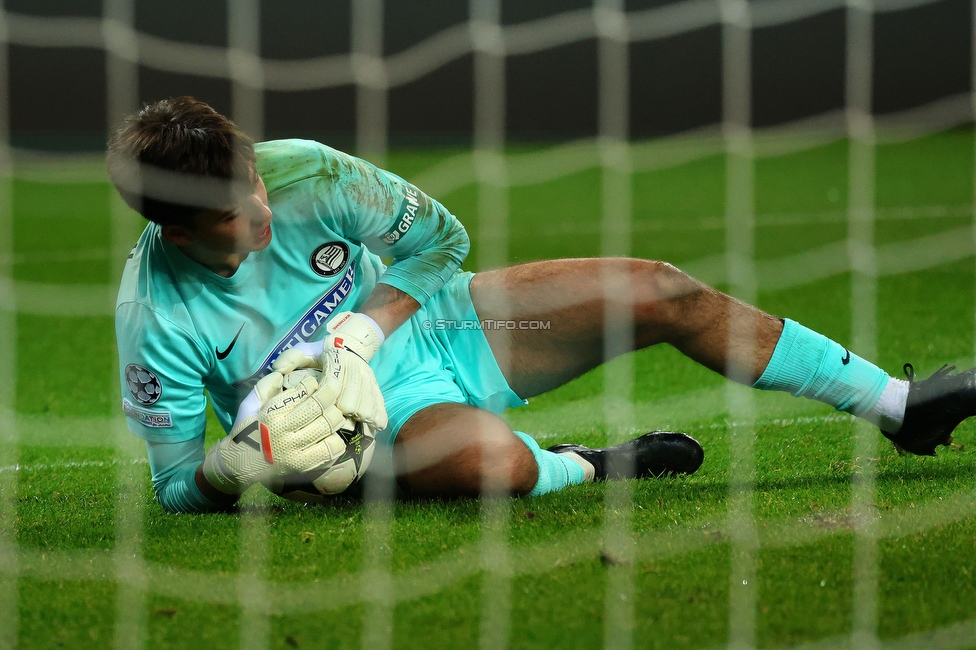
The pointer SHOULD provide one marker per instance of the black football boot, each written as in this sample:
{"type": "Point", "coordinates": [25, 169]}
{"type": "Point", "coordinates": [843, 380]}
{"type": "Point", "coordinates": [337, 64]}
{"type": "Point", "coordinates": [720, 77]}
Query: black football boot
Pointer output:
{"type": "Point", "coordinates": [935, 408]}
{"type": "Point", "coordinates": [658, 453]}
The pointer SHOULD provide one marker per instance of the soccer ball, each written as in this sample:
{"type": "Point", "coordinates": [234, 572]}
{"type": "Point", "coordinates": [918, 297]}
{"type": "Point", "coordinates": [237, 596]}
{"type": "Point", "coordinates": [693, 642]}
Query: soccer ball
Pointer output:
{"type": "Point", "coordinates": [317, 485]}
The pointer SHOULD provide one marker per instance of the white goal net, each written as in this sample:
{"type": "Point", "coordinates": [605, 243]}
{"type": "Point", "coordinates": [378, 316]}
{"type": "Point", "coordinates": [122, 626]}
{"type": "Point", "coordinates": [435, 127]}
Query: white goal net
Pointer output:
{"type": "Point", "coordinates": [370, 73]}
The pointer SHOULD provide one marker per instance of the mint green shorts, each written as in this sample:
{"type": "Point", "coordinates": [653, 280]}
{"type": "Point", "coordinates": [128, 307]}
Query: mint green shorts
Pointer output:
{"type": "Point", "coordinates": [440, 355]}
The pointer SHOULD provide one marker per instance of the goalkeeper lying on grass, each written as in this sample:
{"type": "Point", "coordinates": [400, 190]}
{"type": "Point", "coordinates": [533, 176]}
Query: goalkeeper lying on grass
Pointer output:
{"type": "Point", "coordinates": [267, 256]}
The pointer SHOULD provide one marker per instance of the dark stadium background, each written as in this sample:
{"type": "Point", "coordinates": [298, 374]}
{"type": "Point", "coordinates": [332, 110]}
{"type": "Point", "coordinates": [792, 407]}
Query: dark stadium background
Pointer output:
{"type": "Point", "coordinates": [57, 94]}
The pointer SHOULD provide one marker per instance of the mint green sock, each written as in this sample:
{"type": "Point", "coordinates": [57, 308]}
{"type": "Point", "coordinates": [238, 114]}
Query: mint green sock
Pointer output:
{"type": "Point", "coordinates": [555, 470]}
{"type": "Point", "coordinates": [808, 364]}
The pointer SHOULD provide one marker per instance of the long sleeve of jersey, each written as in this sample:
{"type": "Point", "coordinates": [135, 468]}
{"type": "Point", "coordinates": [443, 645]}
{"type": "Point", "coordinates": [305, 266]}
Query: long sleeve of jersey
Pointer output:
{"type": "Point", "coordinates": [392, 217]}
{"type": "Point", "coordinates": [377, 208]}
{"type": "Point", "coordinates": [174, 465]}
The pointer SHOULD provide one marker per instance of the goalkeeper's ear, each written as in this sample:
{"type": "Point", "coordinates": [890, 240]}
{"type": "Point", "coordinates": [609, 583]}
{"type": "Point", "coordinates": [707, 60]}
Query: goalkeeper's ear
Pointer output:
{"type": "Point", "coordinates": [302, 355]}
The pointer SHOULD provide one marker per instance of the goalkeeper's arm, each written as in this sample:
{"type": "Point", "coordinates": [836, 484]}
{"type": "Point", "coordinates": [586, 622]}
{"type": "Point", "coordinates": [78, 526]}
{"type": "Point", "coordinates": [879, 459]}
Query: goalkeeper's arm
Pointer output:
{"type": "Point", "coordinates": [187, 480]}
{"type": "Point", "coordinates": [297, 428]}
{"type": "Point", "coordinates": [178, 480]}
{"type": "Point", "coordinates": [389, 307]}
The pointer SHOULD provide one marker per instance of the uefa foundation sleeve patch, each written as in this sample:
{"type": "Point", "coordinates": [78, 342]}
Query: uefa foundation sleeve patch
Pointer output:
{"type": "Point", "coordinates": [146, 417]}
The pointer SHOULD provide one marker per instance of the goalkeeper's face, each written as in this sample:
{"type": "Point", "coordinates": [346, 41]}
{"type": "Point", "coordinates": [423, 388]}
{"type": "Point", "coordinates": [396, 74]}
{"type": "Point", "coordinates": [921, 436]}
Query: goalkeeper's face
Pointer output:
{"type": "Point", "coordinates": [236, 232]}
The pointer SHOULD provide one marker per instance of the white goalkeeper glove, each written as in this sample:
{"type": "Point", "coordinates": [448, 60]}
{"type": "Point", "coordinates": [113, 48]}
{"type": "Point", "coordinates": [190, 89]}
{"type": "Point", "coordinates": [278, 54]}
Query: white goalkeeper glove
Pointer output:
{"type": "Point", "coordinates": [236, 462]}
{"type": "Point", "coordinates": [356, 332]}
{"type": "Point", "coordinates": [343, 359]}
{"type": "Point", "coordinates": [299, 426]}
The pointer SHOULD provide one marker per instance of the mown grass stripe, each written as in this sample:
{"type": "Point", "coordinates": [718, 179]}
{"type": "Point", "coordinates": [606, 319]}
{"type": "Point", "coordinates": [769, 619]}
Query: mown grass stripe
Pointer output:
{"type": "Point", "coordinates": [955, 636]}
{"type": "Point", "coordinates": [453, 567]}
{"type": "Point", "coordinates": [786, 272]}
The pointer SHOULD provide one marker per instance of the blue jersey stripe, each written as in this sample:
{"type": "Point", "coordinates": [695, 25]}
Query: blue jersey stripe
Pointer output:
{"type": "Point", "coordinates": [305, 329]}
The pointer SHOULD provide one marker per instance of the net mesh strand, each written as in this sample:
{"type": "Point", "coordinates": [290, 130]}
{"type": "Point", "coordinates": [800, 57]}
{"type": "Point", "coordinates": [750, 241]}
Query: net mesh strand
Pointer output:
{"type": "Point", "coordinates": [491, 42]}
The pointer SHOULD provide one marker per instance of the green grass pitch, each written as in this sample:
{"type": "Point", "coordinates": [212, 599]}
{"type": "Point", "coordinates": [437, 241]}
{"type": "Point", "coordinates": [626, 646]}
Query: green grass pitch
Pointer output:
{"type": "Point", "coordinates": [98, 561]}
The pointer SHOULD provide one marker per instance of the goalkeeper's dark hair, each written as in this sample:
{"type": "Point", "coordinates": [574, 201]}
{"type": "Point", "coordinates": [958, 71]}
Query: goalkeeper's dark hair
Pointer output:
{"type": "Point", "coordinates": [181, 138]}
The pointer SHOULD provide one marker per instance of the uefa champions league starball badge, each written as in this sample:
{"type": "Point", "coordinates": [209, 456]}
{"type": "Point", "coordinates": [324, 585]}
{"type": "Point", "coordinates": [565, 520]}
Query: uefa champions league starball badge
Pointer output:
{"type": "Point", "coordinates": [143, 384]}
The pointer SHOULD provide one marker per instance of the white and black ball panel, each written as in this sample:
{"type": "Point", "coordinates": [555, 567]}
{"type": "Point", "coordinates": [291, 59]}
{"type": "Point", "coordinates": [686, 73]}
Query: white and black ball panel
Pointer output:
{"type": "Point", "coordinates": [316, 487]}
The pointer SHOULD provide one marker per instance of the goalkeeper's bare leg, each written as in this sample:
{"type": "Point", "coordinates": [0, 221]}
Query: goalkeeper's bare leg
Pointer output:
{"type": "Point", "coordinates": [571, 298]}
{"type": "Point", "coordinates": [450, 450]}
{"type": "Point", "coordinates": [719, 332]}
{"type": "Point", "coordinates": [574, 297]}
{"type": "Point", "coordinates": [459, 450]}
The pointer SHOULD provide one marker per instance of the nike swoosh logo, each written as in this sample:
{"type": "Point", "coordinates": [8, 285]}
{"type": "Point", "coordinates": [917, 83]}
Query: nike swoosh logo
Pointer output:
{"type": "Point", "coordinates": [846, 360]}
{"type": "Point", "coordinates": [223, 355]}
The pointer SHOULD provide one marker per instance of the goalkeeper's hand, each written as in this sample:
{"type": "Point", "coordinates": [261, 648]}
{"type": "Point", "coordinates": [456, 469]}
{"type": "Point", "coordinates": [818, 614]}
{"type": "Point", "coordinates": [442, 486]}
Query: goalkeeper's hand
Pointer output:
{"type": "Point", "coordinates": [355, 332]}
{"type": "Point", "coordinates": [236, 462]}
{"type": "Point", "coordinates": [299, 427]}
{"type": "Point", "coordinates": [345, 371]}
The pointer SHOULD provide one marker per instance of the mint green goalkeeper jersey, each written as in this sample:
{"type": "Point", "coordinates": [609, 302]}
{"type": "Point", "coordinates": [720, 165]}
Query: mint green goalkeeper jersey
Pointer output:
{"type": "Point", "coordinates": [184, 331]}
